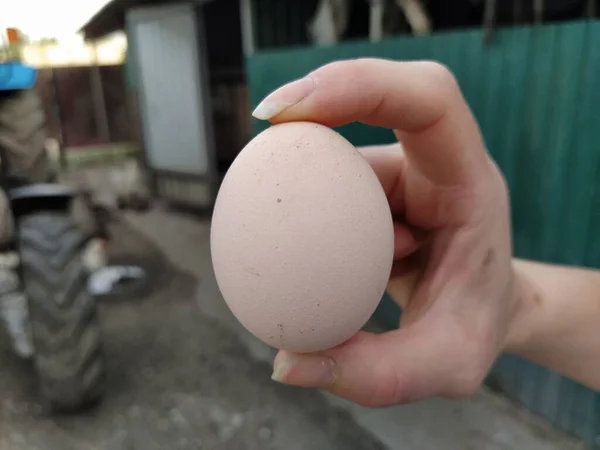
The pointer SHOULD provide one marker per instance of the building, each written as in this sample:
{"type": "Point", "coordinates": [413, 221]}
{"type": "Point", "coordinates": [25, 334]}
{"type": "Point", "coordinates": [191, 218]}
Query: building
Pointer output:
{"type": "Point", "coordinates": [187, 86]}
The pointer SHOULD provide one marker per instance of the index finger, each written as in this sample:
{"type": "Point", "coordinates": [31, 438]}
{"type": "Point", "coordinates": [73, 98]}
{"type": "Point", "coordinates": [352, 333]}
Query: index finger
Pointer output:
{"type": "Point", "coordinates": [419, 99]}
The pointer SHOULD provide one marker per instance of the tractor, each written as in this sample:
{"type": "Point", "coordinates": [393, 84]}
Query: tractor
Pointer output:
{"type": "Point", "coordinates": [46, 252]}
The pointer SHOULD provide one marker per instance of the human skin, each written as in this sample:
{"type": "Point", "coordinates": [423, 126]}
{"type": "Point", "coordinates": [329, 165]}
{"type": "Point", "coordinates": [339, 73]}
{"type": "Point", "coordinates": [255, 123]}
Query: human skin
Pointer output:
{"type": "Point", "coordinates": [465, 298]}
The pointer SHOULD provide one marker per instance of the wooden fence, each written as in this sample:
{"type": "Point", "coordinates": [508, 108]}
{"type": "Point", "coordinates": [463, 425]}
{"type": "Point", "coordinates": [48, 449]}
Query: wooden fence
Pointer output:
{"type": "Point", "coordinates": [86, 106]}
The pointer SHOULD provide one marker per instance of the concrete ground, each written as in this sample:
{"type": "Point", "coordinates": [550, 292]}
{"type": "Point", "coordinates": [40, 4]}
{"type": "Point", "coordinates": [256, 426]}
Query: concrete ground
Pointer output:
{"type": "Point", "coordinates": [183, 374]}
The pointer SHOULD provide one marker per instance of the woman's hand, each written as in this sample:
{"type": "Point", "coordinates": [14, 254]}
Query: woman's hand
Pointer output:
{"type": "Point", "coordinates": [452, 233]}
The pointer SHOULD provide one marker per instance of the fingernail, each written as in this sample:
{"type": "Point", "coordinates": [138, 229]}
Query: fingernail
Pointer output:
{"type": "Point", "coordinates": [284, 97]}
{"type": "Point", "coordinates": [308, 371]}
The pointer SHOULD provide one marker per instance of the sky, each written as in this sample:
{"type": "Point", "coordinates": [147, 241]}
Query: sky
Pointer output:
{"type": "Point", "coordinates": [48, 18]}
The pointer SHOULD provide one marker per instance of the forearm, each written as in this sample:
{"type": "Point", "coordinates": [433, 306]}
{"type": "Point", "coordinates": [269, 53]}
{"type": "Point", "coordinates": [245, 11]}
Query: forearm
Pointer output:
{"type": "Point", "coordinates": [557, 319]}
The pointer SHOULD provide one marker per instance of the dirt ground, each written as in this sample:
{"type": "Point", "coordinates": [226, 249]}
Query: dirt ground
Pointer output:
{"type": "Point", "coordinates": [176, 380]}
{"type": "Point", "coordinates": [183, 375]}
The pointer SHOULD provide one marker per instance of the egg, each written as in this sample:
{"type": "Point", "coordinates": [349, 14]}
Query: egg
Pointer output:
{"type": "Point", "coordinates": [302, 238]}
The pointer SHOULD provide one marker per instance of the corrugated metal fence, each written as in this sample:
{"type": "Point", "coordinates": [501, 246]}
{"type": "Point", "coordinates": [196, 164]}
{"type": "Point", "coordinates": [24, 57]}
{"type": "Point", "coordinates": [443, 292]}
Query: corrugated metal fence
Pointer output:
{"type": "Point", "coordinates": [536, 94]}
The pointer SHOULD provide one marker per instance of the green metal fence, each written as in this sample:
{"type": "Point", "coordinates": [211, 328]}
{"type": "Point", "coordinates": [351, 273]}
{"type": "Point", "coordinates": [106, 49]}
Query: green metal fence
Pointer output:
{"type": "Point", "coordinates": [536, 94]}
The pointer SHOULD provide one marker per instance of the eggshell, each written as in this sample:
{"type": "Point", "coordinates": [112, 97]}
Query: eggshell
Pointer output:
{"type": "Point", "coordinates": [302, 238]}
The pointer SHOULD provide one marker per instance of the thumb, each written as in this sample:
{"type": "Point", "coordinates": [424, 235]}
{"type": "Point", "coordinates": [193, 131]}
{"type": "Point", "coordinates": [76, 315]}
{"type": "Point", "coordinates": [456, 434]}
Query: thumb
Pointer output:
{"type": "Point", "coordinates": [371, 370]}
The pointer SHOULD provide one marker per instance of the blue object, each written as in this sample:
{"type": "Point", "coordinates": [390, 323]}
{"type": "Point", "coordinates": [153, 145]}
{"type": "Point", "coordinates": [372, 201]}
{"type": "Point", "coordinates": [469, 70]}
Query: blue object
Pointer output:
{"type": "Point", "coordinates": [16, 76]}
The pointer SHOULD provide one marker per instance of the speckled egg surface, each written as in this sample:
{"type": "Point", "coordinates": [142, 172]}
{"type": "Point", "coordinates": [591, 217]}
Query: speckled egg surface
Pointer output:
{"type": "Point", "coordinates": [301, 238]}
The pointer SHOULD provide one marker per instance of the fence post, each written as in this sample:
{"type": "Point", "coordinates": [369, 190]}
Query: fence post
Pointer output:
{"type": "Point", "coordinates": [247, 19]}
{"type": "Point", "coordinates": [99, 104]}
{"type": "Point", "coordinates": [60, 117]}
{"type": "Point", "coordinates": [376, 20]}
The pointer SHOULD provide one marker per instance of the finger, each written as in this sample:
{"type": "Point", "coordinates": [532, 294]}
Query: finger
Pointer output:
{"type": "Point", "coordinates": [397, 367]}
{"type": "Point", "coordinates": [394, 147]}
{"type": "Point", "coordinates": [405, 241]}
{"type": "Point", "coordinates": [420, 99]}
{"type": "Point", "coordinates": [387, 161]}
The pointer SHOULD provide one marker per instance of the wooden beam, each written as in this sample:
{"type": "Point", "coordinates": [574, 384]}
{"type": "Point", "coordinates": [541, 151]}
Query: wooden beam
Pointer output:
{"type": "Point", "coordinates": [538, 11]}
{"type": "Point", "coordinates": [99, 104]}
{"type": "Point", "coordinates": [247, 22]}
{"type": "Point", "coordinates": [489, 19]}
{"type": "Point", "coordinates": [416, 16]}
{"type": "Point", "coordinates": [376, 20]}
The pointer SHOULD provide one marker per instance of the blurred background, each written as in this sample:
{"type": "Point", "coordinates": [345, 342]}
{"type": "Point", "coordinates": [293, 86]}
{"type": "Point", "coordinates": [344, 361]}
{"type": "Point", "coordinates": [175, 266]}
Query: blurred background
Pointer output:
{"type": "Point", "coordinates": [116, 336]}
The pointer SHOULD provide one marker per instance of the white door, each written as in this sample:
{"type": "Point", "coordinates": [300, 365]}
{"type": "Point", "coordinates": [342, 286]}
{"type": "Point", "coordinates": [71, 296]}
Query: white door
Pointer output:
{"type": "Point", "coordinates": [173, 92]}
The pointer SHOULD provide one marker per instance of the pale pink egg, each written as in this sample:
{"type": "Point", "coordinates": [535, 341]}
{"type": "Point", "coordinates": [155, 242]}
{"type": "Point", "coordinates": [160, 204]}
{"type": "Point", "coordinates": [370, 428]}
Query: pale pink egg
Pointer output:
{"type": "Point", "coordinates": [302, 238]}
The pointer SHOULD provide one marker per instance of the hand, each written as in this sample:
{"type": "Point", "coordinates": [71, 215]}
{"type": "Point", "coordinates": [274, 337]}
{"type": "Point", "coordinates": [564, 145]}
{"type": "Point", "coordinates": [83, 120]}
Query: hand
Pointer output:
{"type": "Point", "coordinates": [452, 232]}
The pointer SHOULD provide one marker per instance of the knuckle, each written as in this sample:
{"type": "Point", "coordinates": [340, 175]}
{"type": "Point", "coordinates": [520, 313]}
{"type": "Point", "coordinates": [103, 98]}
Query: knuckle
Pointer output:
{"type": "Point", "coordinates": [440, 74]}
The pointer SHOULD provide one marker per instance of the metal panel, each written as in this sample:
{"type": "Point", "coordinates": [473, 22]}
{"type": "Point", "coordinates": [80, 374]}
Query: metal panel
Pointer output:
{"type": "Point", "coordinates": [535, 93]}
{"type": "Point", "coordinates": [168, 64]}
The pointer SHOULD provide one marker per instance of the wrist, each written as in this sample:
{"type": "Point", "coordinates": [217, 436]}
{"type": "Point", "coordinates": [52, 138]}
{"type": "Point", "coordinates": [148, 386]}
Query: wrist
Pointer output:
{"type": "Point", "coordinates": [523, 302]}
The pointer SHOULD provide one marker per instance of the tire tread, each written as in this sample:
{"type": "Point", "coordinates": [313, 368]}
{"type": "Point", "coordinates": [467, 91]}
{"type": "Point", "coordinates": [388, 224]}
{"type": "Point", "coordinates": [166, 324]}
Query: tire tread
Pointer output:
{"type": "Point", "coordinates": [66, 333]}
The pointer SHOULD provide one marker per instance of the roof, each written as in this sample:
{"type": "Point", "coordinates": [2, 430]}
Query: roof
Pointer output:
{"type": "Point", "coordinates": [111, 17]}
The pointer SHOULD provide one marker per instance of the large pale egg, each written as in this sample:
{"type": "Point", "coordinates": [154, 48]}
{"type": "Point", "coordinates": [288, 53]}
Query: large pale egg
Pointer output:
{"type": "Point", "coordinates": [302, 238]}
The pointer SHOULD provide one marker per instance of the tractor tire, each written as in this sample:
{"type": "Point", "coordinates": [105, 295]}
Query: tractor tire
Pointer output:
{"type": "Point", "coordinates": [23, 136]}
{"type": "Point", "coordinates": [68, 356]}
